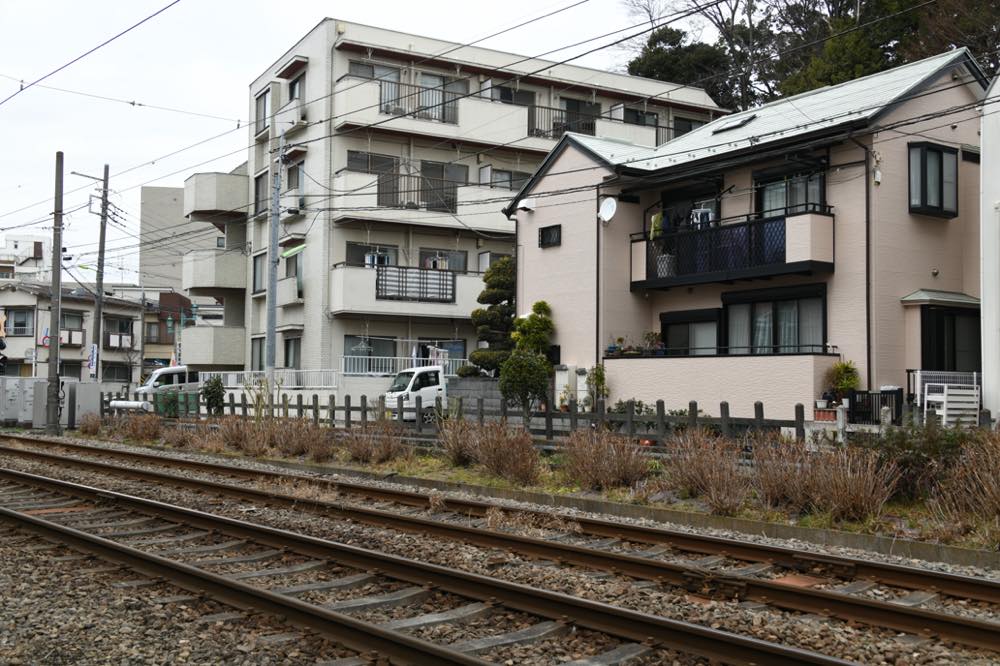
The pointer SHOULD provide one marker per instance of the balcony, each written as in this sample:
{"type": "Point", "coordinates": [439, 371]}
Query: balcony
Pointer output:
{"type": "Point", "coordinates": [289, 292]}
{"type": "Point", "coordinates": [213, 345]}
{"type": "Point", "coordinates": [72, 338]}
{"type": "Point", "coordinates": [207, 271]}
{"type": "Point", "coordinates": [291, 117]}
{"type": "Point", "coordinates": [388, 366]}
{"type": "Point", "coordinates": [414, 199]}
{"type": "Point", "coordinates": [403, 291]}
{"type": "Point", "coordinates": [117, 341]}
{"type": "Point", "coordinates": [215, 197]}
{"type": "Point", "coordinates": [716, 251]}
{"type": "Point", "coordinates": [779, 381]}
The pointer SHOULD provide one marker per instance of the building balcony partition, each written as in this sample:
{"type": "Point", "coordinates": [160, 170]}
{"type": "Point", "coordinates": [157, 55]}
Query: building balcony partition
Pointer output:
{"type": "Point", "coordinates": [401, 283]}
{"type": "Point", "coordinates": [213, 270]}
{"type": "Point", "coordinates": [213, 345]}
{"type": "Point", "coordinates": [387, 366]}
{"type": "Point", "coordinates": [406, 99]}
{"type": "Point", "coordinates": [403, 291]}
{"type": "Point", "coordinates": [215, 197]}
{"type": "Point", "coordinates": [771, 243]}
{"type": "Point", "coordinates": [291, 117]}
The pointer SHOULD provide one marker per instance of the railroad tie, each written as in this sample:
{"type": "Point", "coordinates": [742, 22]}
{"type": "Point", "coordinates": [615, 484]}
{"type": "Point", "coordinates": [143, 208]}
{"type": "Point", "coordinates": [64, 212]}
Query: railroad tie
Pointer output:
{"type": "Point", "coordinates": [173, 538]}
{"type": "Point", "coordinates": [241, 559]}
{"type": "Point", "coordinates": [535, 632]}
{"type": "Point", "coordinates": [917, 598]}
{"type": "Point", "coordinates": [460, 614]}
{"type": "Point", "coordinates": [204, 549]}
{"type": "Point", "coordinates": [614, 657]}
{"type": "Point", "coordinates": [296, 568]}
{"type": "Point", "coordinates": [344, 583]}
{"type": "Point", "coordinates": [398, 598]}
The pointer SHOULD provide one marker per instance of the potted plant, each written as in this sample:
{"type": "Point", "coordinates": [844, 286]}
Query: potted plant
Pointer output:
{"type": "Point", "coordinates": [613, 347]}
{"type": "Point", "coordinates": [653, 342]}
{"type": "Point", "coordinates": [564, 397]}
{"type": "Point", "coordinates": [842, 378]}
{"type": "Point", "coordinates": [630, 349]}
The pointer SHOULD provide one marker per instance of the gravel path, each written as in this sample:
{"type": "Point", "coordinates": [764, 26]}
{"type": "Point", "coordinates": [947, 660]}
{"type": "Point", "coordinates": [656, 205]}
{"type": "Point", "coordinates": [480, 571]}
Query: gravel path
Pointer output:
{"type": "Point", "coordinates": [862, 644]}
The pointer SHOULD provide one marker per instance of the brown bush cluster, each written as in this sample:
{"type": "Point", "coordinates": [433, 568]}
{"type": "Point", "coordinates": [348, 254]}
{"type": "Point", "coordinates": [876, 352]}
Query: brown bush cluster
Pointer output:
{"type": "Point", "coordinates": [90, 425]}
{"type": "Point", "coordinates": [968, 498]}
{"type": "Point", "coordinates": [457, 437]}
{"type": "Point", "coordinates": [378, 443]}
{"type": "Point", "coordinates": [140, 427]}
{"type": "Point", "coordinates": [506, 452]}
{"type": "Point", "coordinates": [598, 460]}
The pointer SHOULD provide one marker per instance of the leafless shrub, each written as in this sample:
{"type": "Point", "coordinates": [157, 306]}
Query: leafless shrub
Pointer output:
{"type": "Point", "coordinates": [456, 437]}
{"type": "Point", "coordinates": [851, 483]}
{"type": "Point", "coordinates": [506, 452]}
{"type": "Point", "coordinates": [141, 427]}
{"type": "Point", "coordinates": [378, 443]}
{"type": "Point", "coordinates": [90, 425]}
{"type": "Point", "coordinates": [968, 498]}
{"type": "Point", "coordinates": [600, 460]}
{"type": "Point", "coordinates": [710, 468]}
{"type": "Point", "coordinates": [179, 438]}
{"type": "Point", "coordinates": [782, 473]}
{"type": "Point", "coordinates": [302, 437]}
{"type": "Point", "coordinates": [250, 437]}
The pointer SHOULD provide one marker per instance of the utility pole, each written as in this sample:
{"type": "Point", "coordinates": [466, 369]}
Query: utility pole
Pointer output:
{"type": "Point", "coordinates": [272, 268]}
{"type": "Point", "coordinates": [96, 373]}
{"type": "Point", "coordinates": [52, 425]}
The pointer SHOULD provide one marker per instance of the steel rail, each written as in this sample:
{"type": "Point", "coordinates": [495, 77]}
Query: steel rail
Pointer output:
{"type": "Point", "coordinates": [695, 579]}
{"type": "Point", "coordinates": [915, 578]}
{"type": "Point", "coordinates": [651, 630]}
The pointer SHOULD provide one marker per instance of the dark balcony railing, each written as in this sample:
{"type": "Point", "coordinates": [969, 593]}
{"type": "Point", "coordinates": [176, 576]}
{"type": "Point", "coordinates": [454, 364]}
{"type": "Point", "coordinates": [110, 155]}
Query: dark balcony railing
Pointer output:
{"type": "Point", "coordinates": [552, 123]}
{"type": "Point", "coordinates": [396, 190]}
{"type": "Point", "coordinates": [13, 331]}
{"type": "Point", "coordinates": [718, 247]}
{"type": "Point", "coordinates": [399, 283]}
{"type": "Point", "coordinates": [399, 99]}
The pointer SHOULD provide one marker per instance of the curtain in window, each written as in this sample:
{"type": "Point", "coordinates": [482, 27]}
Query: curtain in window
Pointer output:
{"type": "Point", "coordinates": [915, 181]}
{"type": "Point", "coordinates": [703, 338]}
{"type": "Point", "coordinates": [933, 178]}
{"type": "Point", "coordinates": [774, 197]}
{"type": "Point", "coordinates": [739, 329]}
{"type": "Point", "coordinates": [950, 182]}
{"type": "Point", "coordinates": [811, 325]}
{"type": "Point", "coordinates": [762, 329]}
{"type": "Point", "coordinates": [788, 326]}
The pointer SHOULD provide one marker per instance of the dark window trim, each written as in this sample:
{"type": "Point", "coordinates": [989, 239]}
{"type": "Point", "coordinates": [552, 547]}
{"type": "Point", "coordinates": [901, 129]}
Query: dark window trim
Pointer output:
{"type": "Point", "coordinates": [689, 316]}
{"type": "Point", "coordinates": [923, 208]}
{"type": "Point", "coordinates": [763, 178]}
{"type": "Point", "coordinates": [927, 352]}
{"type": "Point", "coordinates": [970, 155]}
{"type": "Point", "coordinates": [541, 236]}
{"type": "Point", "coordinates": [773, 296]}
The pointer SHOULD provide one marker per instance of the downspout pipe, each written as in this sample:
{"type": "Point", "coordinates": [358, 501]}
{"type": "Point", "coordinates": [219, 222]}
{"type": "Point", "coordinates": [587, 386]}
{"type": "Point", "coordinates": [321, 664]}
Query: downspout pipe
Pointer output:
{"type": "Point", "coordinates": [868, 261]}
{"type": "Point", "coordinates": [597, 276]}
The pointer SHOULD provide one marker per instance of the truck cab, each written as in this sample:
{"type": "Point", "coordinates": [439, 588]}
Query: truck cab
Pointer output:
{"type": "Point", "coordinates": [428, 382]}
{"type": "Point", "coordinates": [177, 379]}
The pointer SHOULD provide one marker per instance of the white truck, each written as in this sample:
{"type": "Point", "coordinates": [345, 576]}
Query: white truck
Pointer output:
{"type": "Point", "coordinates": [427, 381]}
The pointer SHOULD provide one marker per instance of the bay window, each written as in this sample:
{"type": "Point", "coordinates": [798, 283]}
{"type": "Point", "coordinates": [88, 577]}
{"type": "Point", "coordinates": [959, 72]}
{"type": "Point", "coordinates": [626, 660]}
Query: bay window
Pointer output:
{"type": "Point", "coordinates": [933, 176]}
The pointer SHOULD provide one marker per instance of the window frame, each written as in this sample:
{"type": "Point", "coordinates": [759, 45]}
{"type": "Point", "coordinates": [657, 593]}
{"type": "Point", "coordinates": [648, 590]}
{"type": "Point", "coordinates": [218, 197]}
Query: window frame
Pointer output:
{"type": "Point", "coordinates": [552, 228]}
{"type": "Point", "coordinates": [62, 320]}
{"type": "Point", "coordinates": [293, 168]}
{"type": "Point", "coordinates": [28, 329]}
{"type": "Point", "coordinates": [773, 297]}
{"type": "Point", "coordinates": [293, 343]}
{"type": "Point", "coordinates": [262, 116]}
{"type": "Point", "coordinates": [764, 178]}
{"type": "Point", "coordinates": [257, 353]}
{"type": "Point", "coordinates": [924, 208]}
{"type": "Point", "coordinates": [296, 87]}
{"type": "Point", "coordinates": [260, 204]}
{"type": "Point", "coordinates": [253, 277]}
{"type": "Point", "coordinates": [687, 318]}
{"type": "Point", "coordinates": [439, 253]}
{"type": "Point", "coordinates": [220, 242]}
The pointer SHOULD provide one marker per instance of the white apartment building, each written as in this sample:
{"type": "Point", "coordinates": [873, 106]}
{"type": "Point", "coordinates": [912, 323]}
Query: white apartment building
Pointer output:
{"type": "Point", "coordinates": [26, 257]}
{"type": "Point", "coordinates": [400, 152]}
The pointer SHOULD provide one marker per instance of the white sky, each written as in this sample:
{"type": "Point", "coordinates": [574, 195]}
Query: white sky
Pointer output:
{"type": "Point", "coordinates": [199, 55]}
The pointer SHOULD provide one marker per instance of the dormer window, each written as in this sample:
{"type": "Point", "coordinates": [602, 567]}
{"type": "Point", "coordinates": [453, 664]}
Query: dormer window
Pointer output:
{"type": "Point", "coordinates": [933, 180]}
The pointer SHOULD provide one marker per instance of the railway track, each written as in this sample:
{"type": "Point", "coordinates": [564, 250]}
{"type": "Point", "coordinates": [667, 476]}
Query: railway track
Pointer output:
{"type": "Point", "coordinates": [847, 588]}
{"type": "Point", "coordinates": [315, 583]}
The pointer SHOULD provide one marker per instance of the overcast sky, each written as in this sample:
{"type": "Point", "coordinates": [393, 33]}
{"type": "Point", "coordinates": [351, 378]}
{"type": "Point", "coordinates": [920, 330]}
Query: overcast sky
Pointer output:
{"type": "Point", "coordinates": [199, 56]}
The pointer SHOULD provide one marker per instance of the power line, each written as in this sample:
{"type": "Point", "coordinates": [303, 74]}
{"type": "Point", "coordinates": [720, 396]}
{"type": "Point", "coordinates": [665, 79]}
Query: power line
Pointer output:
{"type": "Point", "coordinates": [87, 53]}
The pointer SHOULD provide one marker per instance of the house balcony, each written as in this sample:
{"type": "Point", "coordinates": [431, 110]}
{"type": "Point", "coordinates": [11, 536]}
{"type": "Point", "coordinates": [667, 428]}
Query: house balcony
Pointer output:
{"type": "Point", "coordinates": [216, 198]}
{"type": "Point", "coordinates": [291, 117]}
{"type": "Point", "coordinates": [403, 291]}
{"type": "Point", "coordinates": [118, 341]}
{"type": "Point", "coordinates": [213, 345]}
{"type": "Point", "coordinates": [418, 200]}
{"type": "Point", "coordinates": [289, 292]}
{"type": "Point", "coordinates": [717, 251]}
{"type": "Point", "coordinates": [212, 272]}
{"type": "Point", "coordinates": [778, 381]}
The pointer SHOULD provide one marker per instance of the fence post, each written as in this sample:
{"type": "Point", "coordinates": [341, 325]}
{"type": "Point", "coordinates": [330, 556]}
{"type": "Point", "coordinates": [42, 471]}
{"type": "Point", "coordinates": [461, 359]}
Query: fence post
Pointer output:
{"type": "Point", "coordinates": [758, 415]}
{"type": "Point", "coordinates": [601, 416]}
{"type": "Point", "coordinates": [461, 408]}
{"type": "Point", "coordinates": [347, 412]}
{"type": "Point", "coordinates": [364, 412]}
{"type": "Point", "coordinates": [503, 409]}
{"type": "Point", "coordinates": [480, 413]}
{"type": "Point", "coordinates": [572, 415]}
{"type": "Point", "coordinates": [399, 409]}
{"type": "Point", "coordinates": [630, 418]}
{"type": "Point", "coordinates": [548, 418]}
{"type": "Point", "coordinates": [270, 404]}
{"type": "Point", "coordinates": [418, 406]}
{"type": "Point", "coordinates": [381, 407]}
{"type": "Point", "coordinates": [437, 405]}
{"type": "Point", "coordinates": [331, 407]}
{"type": "Point", "coordinates": [841, 424]}
{"type": "Point", "coordinates": [284, 405]}
{"type": "Point", "coordinates": [692, 415]}
{"type": "Point", "coordinates": [800, 422]}
{"type": "Point", "coordinates": [298, 405]}
{"type": "Point", "coordinates": [315, 402]}
{"type": "Point", "coordinates": [661, 422]}
{"type": "Point", "coordinates": [232, 405]}
{"type": "Point", "coordinates": [243, 404]}
{"type": "Point", "coordinates": [102, 409]}
{"type": "Point", "coordinates": [932, 417]}
{"type": "Point", "coordinates": [725, 425]}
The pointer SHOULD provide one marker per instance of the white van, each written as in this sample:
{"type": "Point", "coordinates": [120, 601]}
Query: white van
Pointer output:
{"type": "Point", "coordinates": [428, 382]}
{"type": "Point", "coordinates": [176, 378]}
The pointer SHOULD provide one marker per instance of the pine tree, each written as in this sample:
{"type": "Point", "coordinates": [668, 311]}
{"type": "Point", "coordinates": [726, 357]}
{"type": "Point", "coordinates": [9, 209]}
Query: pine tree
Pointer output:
{"type": "Point", "coordinates": [495, 322]}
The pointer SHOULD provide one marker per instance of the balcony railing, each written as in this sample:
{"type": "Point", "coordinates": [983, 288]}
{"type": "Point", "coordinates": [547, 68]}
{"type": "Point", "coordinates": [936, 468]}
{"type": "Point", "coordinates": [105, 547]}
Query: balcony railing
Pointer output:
{"type": "Point", "coordinates": [414, 191]}
{"type": "Point", "coordinates": [399, 283]}
{"type": "Point", "coordinates": [287, 378]}
{"type": "Point", "coordinates": [118, 341]}
{"type": "Point", "coordinates": [399, 99]}
{"type": "Point", "coordinates": [551, 123]}
{"type": "Point", "coordinates": [12, 331]}
{"type": "Point", "coordinates": [389, 365]}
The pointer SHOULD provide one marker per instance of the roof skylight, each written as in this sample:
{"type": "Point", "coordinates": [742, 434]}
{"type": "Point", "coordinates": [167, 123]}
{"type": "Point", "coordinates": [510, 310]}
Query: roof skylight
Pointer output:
{"type": "Point", "coordinates": [734, 123]}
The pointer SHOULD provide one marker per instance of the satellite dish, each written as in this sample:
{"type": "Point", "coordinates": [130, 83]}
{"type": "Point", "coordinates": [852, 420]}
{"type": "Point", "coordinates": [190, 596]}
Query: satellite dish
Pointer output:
{"type": "Point", "coordinates": [607, 210]}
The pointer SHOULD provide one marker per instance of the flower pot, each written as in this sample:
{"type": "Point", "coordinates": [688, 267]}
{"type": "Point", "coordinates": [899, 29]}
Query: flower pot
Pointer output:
{"type": "Point", "coordinates": [845, 403]}
{"type": "Point", "coordinates": [821, 404]}
{"type": "Point", "coordinates": [827, 415]}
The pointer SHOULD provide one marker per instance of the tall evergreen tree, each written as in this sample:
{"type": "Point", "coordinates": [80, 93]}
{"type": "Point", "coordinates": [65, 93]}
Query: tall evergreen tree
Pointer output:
{"type": "Point", "coordinates": [495, 322]}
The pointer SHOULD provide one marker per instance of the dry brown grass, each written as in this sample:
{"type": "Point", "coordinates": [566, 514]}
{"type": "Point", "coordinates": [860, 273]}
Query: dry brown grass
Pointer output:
{"type": "Point", "coordinates": [301, 437]}
{"type": "Point", "coordinates": [90, 425]}
{"type": "Point", "coordinates": [851, 483]}
{"type": "Point", "coordinates": [378, 443]}
{"type": "Point", "coordinates": [181, 438]}
{"type": "Point", "coordinates": [506, 452]}
{"type": "Point", "coordinates": [141, 427]}
{"type": "Point", "coordinates": [497, 518]}
{"type": "Point", "coordinates": [457, 441]}
{"type": "Point", "coordinates": [782, 473]}
{"type": "Point", "coordinates": [710, 468]}
{"type": "Point", "coordinates": [600, 460]}
{"type": "Point", "coordinates": [968, 499]}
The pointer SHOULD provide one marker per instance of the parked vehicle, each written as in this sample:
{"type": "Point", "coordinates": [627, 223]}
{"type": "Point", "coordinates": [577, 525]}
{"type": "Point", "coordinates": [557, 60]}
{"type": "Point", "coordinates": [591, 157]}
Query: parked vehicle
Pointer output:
{"type": "Point", "coordinates": [428, 382]}
{"type": "Point", "coordinates": [177, 379]}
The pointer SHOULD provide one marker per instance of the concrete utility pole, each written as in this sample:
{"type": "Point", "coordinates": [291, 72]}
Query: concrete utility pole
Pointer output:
{"type": "Point", "coordinates": [52, 425]}
{"type": "Point", "coordinates": [96, 373]}
{"type": "Point", "coordinates": [272, 269]}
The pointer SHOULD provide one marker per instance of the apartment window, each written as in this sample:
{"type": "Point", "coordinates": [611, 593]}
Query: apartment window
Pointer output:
{"type": "Point", "coordinates": [362, 254]}
{"type": "Point", "coordinates": [293, 269]}
{"type": "Point", "coordinates": [509, 95]}
{"type": "Point", "coordinates": [512, 180]}
{"type": "Point", "coordinates": [260, 194]}
{"type": "Point", "coordinates": [639, 117]}
{"type": "Point", "coordinates": [793, 193]}
{"type": "Point", "coordinates": [439, 184]}
{"type": "Point", "coordinates": [20, 322]}
{"type": "Point", "coordinates": [293, 176]}
{"type": "Point", "coordinates": [220, 242]}
{"type": "Point", "coordinates": [779, 321]}
{"type": "Point", "coordinates": [550, 236]}
{"type": "Point", "coordinates": [949, 339]}
{"type": "Point", "coordinates": [70, 369]}
{"type": "Point", "coordinates": [257, 354]}
{"type": "Point", "coordinates": [365, 355]}
{"type": "Point", "coordinates": [685, 125]}
{"type": "Point", "coordinates": [71, 321]}
{"type": "Point", "coordinates": [297, 87]}
{"type": "Point", "coordinates": [359, 160]}
{"type": "Point", "coordinates": [6, 272]}
{"type": "Point", "coordinates": [579, 116]}
{"type": "Point", "coordinates": [262, 111]}
{"type": "Point", "coordinates": [444, 260]}
{"type": "Point", "coordinates": [372, 71]}
{"type": "Point", "coordinates": [118, 326]}
{"type": "Point", "coordinates": [152, 332]}
{"type": "Point", "coordinates": [690, 332]}
{"type": "Point", "coordinates": [933, 180]}
{"type": "Point", "coordinates": [259, 273]}
{"type": "Point", "coordinates": [116, 372]}
{"type": "Point", "coordinates": [293, 353]}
